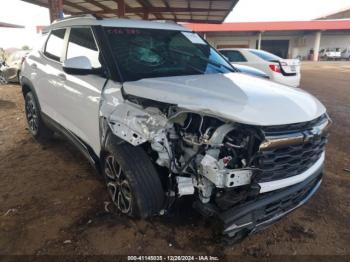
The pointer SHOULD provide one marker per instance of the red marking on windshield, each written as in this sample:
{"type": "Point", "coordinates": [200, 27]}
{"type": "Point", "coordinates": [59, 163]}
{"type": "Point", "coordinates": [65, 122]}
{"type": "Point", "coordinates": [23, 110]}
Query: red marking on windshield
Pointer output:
{"type": "Point", "coordinates": [124, 31]}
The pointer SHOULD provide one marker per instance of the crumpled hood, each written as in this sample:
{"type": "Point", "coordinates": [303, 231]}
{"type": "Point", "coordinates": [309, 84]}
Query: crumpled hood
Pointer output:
{"type": "Point", "coordinates": [233, 96]}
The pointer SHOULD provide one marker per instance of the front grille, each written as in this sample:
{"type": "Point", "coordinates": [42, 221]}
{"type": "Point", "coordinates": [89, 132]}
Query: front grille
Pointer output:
{"type": "Point", "coordinates": [286, 203]}
{"type": "Point", "coordinates": [257, 213]}
{"type": "Point", "coordinates": [292, 128]}
{"type": "Point", "coordinates": [290, 160]}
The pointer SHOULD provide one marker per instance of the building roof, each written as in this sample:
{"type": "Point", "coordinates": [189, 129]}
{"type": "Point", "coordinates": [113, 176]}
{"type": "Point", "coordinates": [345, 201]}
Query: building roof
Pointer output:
{"type": "Point", "coordinates": [343, 13]}
{"type": "Point", "coordinates": [272, 26]}
{"type": "Point", "coordinates": [201, 11]}
{"type": "Point", "coordinates": [10, 25]}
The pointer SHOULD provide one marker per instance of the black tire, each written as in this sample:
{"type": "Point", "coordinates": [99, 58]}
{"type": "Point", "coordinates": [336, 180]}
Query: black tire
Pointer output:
{"type": "Point", "coordinates": [35, 124]}
{"type": "Point", "coordinates": [137, 190]}
{"type": "Point", "coordinates": [19, 77]}
{"type": "Point", "coordinates": [3, 80]}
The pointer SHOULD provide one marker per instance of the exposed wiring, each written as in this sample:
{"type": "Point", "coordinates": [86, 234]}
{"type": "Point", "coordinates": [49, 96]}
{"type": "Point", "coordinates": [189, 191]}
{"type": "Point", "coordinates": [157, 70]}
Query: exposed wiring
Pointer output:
{"type": "Point", "coordinates": [189, 122]}
{"type": "Point", "coordinates": [201, 124]}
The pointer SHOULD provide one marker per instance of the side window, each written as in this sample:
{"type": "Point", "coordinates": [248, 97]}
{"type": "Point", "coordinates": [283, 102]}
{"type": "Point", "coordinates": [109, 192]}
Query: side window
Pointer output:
{"type": "Point", "coordinates": [55, 44]}
{"type": "Point", "coordinates": [82, 43]}
{"type": "Point", "coordinates": [233, 55]}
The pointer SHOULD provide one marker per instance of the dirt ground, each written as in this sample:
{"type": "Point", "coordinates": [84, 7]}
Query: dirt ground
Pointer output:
{"type": "Point", "coordinates": [52, 201]}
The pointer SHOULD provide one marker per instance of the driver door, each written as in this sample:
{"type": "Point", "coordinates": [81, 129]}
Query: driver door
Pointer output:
{"type": "Point", "coordinates": [80, 94]}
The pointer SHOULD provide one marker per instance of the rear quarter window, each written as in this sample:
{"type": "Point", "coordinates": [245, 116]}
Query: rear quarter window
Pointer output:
{"type": "Point", "coordinates": [233, 55]}
{"type": "Point", "coordinates": [265, 55]}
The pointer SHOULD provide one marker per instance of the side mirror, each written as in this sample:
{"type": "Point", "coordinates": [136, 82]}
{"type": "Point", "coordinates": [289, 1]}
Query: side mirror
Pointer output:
{"type": "Point", "coordinates": [79, 65]}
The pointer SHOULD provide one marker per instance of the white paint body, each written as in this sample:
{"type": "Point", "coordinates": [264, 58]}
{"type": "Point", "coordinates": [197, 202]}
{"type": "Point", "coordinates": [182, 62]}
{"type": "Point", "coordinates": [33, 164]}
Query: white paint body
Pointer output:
{"type": "Point", "coordinates": [233, 96]}
{"type": "Point", "coordinates": [77, 102]}
{"type": "Point", "coordinates": [71, 100]}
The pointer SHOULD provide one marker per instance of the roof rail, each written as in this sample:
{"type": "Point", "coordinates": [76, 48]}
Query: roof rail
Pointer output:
{"type": "Point", "coordinates": [165, 21]}
{"type": "Point", "coordinates": [78, 16]}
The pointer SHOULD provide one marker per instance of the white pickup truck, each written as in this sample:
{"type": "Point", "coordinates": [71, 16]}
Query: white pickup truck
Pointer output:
{"type": "Point", "coordinates": [330, 54]}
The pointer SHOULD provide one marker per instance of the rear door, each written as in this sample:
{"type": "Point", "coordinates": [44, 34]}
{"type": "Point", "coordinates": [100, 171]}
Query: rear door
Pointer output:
{"type": "Point", "coordinates": [80, 95]}
{"type": "Point", "coordinates": [46, 73]}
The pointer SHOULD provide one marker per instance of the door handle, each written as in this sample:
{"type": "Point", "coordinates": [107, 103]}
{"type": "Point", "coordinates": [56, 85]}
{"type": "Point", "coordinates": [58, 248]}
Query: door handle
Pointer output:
{"type": "Point", "coordinates": [62, 77]}
{"type": "Point", "coordinates": [34, 66]}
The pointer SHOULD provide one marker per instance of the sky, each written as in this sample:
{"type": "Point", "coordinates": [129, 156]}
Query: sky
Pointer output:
{"type": "Point", "coordinates": [284, 10]}
{"type": "Point", "coordinates": [21, 13]}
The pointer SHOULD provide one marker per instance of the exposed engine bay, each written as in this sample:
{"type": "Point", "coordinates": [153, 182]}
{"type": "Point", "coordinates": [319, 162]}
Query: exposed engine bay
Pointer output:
{"type": "Point", "coordinates": [205, 156]}
{"type": "Point", "coordinates": [246, 176]}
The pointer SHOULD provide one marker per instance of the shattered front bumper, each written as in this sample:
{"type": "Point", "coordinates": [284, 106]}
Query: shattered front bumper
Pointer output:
{"type": "Point", "coordinates": [257, 214]}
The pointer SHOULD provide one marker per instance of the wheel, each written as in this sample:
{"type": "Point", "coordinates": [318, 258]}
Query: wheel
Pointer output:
{"type": "Point", "coordinates": [35, 124]}
{"type": "Point", "coordinates": [132, 181]}
{"type": "Point", "coordinates": [3, 80]}
{"type": "Point", "coordinates": [19, 77]}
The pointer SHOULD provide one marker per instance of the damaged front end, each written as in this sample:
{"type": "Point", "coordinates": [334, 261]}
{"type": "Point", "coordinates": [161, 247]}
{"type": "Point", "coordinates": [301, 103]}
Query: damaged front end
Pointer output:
{"type": "Point", "coordinates": [226, 166]}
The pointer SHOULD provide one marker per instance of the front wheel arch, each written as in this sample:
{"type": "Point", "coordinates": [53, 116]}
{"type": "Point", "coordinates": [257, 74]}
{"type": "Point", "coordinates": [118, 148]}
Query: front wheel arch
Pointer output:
{"type": "Point", "coordinates": [139, 170]}
{"type": "Point", "coordinates": [28, 87]}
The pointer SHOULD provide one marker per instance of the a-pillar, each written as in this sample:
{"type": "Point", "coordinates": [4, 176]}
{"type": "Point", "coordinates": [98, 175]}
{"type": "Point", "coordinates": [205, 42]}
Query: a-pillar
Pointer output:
{"type": "Point", "coordinates": [317, 45]}
{"type": "Point", "coordinates": [56, 9]}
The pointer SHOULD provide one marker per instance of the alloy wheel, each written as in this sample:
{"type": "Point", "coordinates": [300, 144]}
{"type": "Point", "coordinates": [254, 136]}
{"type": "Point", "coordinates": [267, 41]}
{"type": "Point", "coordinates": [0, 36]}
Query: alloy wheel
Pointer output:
{"type": "Point", "coordinates": [117, 185]}
{"type": "Point", "coordinates": [3, 80]}
{"type": "Point", "coordinates": [32, 114]}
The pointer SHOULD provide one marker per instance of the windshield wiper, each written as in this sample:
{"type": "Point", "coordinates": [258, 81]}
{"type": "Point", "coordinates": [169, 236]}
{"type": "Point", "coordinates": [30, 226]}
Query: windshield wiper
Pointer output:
{"type": "Point", "coordinates": [196, 68]}
{"type": "Point", "coordinates": [218, 65]}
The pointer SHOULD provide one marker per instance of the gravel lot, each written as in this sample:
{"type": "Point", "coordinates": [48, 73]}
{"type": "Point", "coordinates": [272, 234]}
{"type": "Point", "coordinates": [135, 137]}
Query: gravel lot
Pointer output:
{"type": "Point", "coordinates": [52, 202]}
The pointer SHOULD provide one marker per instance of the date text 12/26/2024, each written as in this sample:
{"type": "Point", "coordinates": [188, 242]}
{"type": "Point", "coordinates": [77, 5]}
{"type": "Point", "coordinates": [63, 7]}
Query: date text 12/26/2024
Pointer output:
{"type": "Point", "coordinates": [173, 258]}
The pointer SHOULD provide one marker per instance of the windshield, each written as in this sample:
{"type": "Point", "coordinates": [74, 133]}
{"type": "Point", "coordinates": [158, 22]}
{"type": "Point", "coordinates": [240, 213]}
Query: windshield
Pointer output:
{"type": "Point", "coordinates": [146, 53]}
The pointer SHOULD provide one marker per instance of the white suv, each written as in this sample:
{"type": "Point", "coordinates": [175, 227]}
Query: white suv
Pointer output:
{"type": "Point", "coordinates": [161, 115]}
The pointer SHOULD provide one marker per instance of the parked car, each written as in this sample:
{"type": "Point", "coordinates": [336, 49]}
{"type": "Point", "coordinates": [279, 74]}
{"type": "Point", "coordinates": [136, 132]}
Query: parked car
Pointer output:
{"type": "Point", "coordinates": [330, 54]}
{"type": "Point", "coordinates": [283, 71]}
{"type": "Point", "coordinates": [161, 114]}
{"type": "Point", "coordinates": [250, 71]}
{"type": "Point", "coordinates": [11, 70]}
{"type": "Point", "coordinates": [345, 54]}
